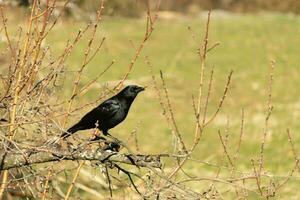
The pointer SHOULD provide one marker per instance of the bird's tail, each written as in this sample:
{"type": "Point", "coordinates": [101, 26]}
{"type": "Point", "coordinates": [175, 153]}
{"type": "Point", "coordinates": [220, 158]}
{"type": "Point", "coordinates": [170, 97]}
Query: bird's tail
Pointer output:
{"type": "Point", "coordinates": [70, 131]}
{"type": "Point", "coordinates": [55, 140]}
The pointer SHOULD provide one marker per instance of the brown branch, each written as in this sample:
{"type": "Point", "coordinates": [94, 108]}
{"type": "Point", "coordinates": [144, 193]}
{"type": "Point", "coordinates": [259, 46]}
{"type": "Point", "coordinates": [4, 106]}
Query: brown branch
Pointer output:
{"type": "Point", "coordinates": [268, 115]}
{"type": "Point", "coordinates": [171, 113]}
{"type": "Point", "coordinates": [225, 148]}
{"type": "Point", "coordinates": [44, 155]}
{"type": "Point", "coordinates": [293, 148]}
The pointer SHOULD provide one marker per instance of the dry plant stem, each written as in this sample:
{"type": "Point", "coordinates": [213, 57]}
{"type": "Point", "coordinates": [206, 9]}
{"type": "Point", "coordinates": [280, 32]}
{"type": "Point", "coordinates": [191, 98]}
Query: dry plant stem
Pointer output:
{"type": "Point", "coordinates": [58, 17]}
{"type": "Point", "coordinates": [158, 93]}
{"type": "Point", "coordinates": [43, 35]}
{"type": "Point", "coordinates": [12, 113]}
{"type": "Point", "coordinates": [257, 177]}
{"type": "Point", "coordinates": [219, 180]}
{"type": "Point", "coordinates": [213, 46]}
{"type": "Point", "coordinates": [40, 38]}
{"type": "Point", "coordinates": [293, 148]}
{"type": "Point", "coordinates": [33, 71]}
{"type": "Point", "coordinates": [20, 71]}
{"type": "Point", "coordinates": [221, 101]}
{"type": "Point", "coordinates": [208, 96]}
{"type": "Point", "coordinates": [152, 167]}
{"type": "Point", "coordinates": [85, 188]}
{"type": "Point", "coordinates": [85, 88]}
{"type": "Point", "coordinates": [74, 180]}
{"type": "Point", "coordinates": [268, 114]}
{"type": "Point", "coordinates": [108, 181]}
{"type": "Point", "coordinates": [198, 128]}
{"type": "Point", "coordinates": [202, 54]}
{"type": "Point", "coordinates": [4, 20]}
{"type": "Point", "coordinates": [241, 136]}
{"type": "Point", "coordinates": [235, 157]}
{"type": "Point", "coordinates": [90, 103]}
{"type": "Point", "coordinates": [225, 148]}
{"type": "Point", "coordinates": [46, 187]}
{"type": "Point", "coordinates": [169, 183]}
{"type": "Point", "coordinates": [45, 11]}
{"type": "Point", "coordinates": [84, 64]}
{"type": "Point", "coordinates": [199, 125]}
{"type": "Point", "coordinates": [288, 176]}
{"type": "Point", "coordinates": [163, 107]}
{"type": "Point", "coordinates": [77, 80]}
{"type": "Point", "coordinates": [69, 46]}
{"type": "Point", "coordinates": [176, 130]}
{"type": "Point", "coordinates": [149, 29]}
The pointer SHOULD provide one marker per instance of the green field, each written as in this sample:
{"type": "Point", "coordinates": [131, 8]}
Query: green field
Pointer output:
{"type": "Point", "coordinates": [248, 44]}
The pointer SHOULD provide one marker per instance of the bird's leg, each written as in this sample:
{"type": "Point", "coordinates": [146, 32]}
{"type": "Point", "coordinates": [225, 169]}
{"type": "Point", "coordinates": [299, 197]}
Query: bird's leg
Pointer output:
{"type": "Point", "coordinates": [112, 137]}
{"type": "Point", "coordinates": [118, 142]}
{"type": "Point", "coordinates": [96, 136]}
{"type": "Point", "coordinates": [115, 144]}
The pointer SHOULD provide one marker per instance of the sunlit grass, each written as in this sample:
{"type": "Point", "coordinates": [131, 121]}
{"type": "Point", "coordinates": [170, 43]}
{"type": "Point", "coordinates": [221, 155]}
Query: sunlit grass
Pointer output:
{"type": "Point", "coordinates": [248, 44]}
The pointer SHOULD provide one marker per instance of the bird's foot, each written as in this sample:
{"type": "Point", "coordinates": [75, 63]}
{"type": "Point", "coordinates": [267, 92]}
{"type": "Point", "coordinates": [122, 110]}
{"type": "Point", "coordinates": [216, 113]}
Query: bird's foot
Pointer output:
{"type": "Point", "coordinates": [118, 142]}
{"type": "Point", "coordinates": [113, 138]}
{"type": "Point", "coordinates": [113, 146]}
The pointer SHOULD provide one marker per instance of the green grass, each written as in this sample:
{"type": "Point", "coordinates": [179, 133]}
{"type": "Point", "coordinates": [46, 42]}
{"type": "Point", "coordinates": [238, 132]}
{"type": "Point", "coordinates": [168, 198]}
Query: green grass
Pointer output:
{"type": "Point", "coordinates": [248, 44]}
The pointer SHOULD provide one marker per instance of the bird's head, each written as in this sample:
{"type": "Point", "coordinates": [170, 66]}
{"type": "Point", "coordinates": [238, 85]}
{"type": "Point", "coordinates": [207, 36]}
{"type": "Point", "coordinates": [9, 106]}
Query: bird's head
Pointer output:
{"type": "Point", "coordinates": [131, 91]}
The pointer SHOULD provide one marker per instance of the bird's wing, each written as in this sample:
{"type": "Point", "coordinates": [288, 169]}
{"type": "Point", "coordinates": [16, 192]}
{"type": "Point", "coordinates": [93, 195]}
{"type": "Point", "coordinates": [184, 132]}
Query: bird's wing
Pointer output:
{"type": "Point", "coordinates": [108, 108]}
{"type": "Point", "coordinates": [104, 111]}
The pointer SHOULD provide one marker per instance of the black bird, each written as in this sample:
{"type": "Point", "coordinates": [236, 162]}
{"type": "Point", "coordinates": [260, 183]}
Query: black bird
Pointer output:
{"type": "Point", "coordinates": [108, 114]}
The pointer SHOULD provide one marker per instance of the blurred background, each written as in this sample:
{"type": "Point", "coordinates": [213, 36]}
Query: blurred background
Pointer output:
{"type": "Point", "coordinates": [134, 8]}
{"type": "Point", "coordinates": [250, 34]}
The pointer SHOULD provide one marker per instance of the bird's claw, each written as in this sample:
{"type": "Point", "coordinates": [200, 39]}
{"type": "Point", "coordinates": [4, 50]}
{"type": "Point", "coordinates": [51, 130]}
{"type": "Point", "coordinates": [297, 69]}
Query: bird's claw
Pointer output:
{"type": "Point", "coordinates": [113, 146]}
{"type": "Point", "coordinates": [109, 145]}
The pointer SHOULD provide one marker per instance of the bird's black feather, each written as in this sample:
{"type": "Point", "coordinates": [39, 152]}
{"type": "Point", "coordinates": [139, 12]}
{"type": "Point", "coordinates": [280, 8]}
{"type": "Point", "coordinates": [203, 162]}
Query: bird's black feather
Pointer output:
{"type": "Point", "coordinates": [108, 114]}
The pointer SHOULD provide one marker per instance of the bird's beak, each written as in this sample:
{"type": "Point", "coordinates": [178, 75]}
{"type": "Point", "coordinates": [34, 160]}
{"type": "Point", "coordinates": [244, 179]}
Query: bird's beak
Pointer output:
{"type": "Point", "coordinates": [139, 89]}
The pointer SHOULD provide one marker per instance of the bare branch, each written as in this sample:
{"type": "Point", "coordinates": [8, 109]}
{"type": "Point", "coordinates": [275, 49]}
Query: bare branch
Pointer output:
{"type": "Point", "coordinates": [44, 155]}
